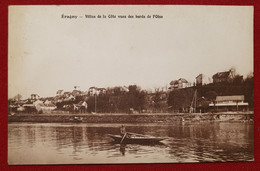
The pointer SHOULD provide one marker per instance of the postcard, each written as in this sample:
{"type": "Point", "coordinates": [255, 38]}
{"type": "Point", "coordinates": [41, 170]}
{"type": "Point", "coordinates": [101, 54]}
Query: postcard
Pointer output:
{"type": "Point", "coordinates": [113, 84]}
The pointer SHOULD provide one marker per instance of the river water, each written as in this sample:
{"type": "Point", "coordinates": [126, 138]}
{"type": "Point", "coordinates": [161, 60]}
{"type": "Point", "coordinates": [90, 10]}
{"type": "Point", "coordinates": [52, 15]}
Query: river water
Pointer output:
{"type": "Point", "coordinates": [84, 143]}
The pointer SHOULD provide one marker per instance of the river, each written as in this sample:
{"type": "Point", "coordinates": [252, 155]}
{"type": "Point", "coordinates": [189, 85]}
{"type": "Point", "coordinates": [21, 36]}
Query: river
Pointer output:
{"type": "Point", "coordinates": [84, 143]}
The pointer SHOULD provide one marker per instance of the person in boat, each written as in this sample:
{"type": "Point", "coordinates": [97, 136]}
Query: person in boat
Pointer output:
{"type": "Point", "coordinates": [123, 131]}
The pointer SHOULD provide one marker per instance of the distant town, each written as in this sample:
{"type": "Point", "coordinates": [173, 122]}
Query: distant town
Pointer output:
{"type": "Point", "coordinates": [228, 91]}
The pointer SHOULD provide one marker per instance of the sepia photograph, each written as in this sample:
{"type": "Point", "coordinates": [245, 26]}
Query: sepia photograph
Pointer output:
{"type": "Point", "coordinates": [124, 84]}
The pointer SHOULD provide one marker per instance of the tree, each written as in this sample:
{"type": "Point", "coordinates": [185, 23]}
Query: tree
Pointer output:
{"type": "Point", "coordinates": [249, 89]}
{"type": "Point", "coordinates": [136, 97]}
{"type": "Point", "coordinates": [211, 95]}
{"type": "Point", "coordinates": [159, 101]}
{"type": "Point", "coordinates": [238, 79]}
{"type": "Point", "coordinates": [180, 98]}
{"type": "Point", "coordinates": [18, 97]}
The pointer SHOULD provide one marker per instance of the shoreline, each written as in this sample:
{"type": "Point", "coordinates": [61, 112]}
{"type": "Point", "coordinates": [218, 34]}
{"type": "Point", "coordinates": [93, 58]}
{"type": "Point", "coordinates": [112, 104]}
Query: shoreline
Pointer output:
{"type": "Point", "coordinates": [131, 118]}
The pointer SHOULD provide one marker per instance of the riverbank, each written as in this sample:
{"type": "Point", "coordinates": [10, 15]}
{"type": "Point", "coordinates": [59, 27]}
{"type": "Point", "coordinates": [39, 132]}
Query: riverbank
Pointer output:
{"type": "Point", "coordinates": [131, 118]}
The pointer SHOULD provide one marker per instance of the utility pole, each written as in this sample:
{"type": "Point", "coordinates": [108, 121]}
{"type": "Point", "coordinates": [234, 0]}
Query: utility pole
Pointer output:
{"type": "Point", "coordinates": [95, 102]}
{"type": "Point", "coordinates": [195, 97]}
{"type": "Point", "coordinates": [194, 101]}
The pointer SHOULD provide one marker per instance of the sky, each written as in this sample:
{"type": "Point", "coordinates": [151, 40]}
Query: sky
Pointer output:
{"type": "Point", "coordinates": [47, 52]}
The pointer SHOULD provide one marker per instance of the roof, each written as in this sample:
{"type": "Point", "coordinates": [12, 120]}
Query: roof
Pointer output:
{"type": "Point", "coordinates": [200, 75]}
{"type": "Point", "coordinates": [101, 89]}
{"type": "Point", "coordinates": [221, 74]}
{"type": "Point", "coordinates": [59, 91]}
{"type": "Point", "coordinates": [230, 98]}
{"type": "Point", "coordinates": [92, 88]}
{"type": "Point", "coordinates": [28, 102]}
{"type": "Point", "coordinates": [173, 82]}
{"type": "Point", "coordinates": [182, 80]}
{"type": "Point", "coordinates": [76, 91]}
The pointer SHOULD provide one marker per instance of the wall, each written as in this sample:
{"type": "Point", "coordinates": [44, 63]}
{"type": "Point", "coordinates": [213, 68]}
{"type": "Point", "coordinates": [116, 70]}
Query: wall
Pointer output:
{"type": "Point", "coordinates": [130, 118]}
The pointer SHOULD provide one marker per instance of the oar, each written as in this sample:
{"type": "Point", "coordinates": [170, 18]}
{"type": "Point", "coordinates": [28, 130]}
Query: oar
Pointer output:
{"type": "Point", "coordinates": [123, 138]}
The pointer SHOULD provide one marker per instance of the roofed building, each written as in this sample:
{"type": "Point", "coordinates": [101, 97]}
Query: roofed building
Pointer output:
{"type": "Point", "coordinates": [226, 76]}
{"type": "Point", "coordinates": [178, 84]}
{"type": "Point", "coordinates": [76, 92]}
{"type": "Point", "coordinates": [59, 92]}
{"type": "Point", "coordinates": [35, 96]}
{"type": "Point", "coordinates": [199, 80]}
{"type": "Point", "coordinates": [229, 103]}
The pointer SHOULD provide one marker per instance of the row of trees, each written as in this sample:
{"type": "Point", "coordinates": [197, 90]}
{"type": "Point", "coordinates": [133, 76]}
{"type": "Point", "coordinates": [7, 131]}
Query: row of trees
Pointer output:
{"type": "Point", "coordinates": [134, 99]}
{"type": "Point", "coordinates": [118, 100]}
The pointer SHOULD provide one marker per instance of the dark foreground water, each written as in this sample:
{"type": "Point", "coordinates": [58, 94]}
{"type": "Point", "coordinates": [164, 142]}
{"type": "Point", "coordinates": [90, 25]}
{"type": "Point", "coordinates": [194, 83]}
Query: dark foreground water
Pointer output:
{"type": "Point", "coordinates": [56, 143]}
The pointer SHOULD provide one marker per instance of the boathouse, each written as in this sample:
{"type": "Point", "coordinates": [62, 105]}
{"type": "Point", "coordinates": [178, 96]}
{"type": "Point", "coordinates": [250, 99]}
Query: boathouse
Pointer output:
{"type": "Point", "coordinates": [229, 103]}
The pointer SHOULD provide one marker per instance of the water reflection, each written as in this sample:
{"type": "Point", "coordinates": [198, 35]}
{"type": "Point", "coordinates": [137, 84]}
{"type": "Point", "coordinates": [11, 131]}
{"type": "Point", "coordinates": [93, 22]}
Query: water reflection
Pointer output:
{"type": "Point", "coordinates": [122, 149]}
{"type": "Point", "coordinates": [88, 143]}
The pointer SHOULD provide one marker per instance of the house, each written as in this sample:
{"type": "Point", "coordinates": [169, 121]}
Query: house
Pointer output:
{"type": "Point", "coordinates": [69, 97]}
{"type": "Point", "coordinates": [202, 105]}
{"type": "Point", "coordinates": [76, 92]}
{"type": "Point", "coordinates": [174, 85]}
{"type": "Point", "coordinates": [59, 92]}
{"type": "Point", "coordinates": [66, 94]}
{"type": "Point", "coordinates": [47, 102]}
{"type": "Point", "coordinates": [102, 90]}
{"type": "Point", "coordinates": [124, 89]}
{"type": "Point", "coordinates": [92, 91]}
{"type": "Point", "coordinates": [29, 107]}
{"type": "Point", "coordinates": [35, 96]}
{"type": "Point", "coordinates": [199, 81]}
{"type": "Point", "coordinates": [226, 76]}
{"type": "Point", "coordinates": [81, 107]}
{"type": "Point", "coordinates": [229, 103]}
{"type": "Point", "coordinates": [96, 91]}
{"type": "Point", "coordinates": [178, 84]}
{"type": "Point", "coordinates": [44, 107]}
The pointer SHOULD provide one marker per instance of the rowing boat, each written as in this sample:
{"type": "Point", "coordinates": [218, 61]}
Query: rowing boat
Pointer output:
{"type": "Point", "coordinates": [136, 139]}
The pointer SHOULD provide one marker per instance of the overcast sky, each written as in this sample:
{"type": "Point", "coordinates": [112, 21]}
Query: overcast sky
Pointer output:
{"type": "Point", "coordinates": [48, 53]}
